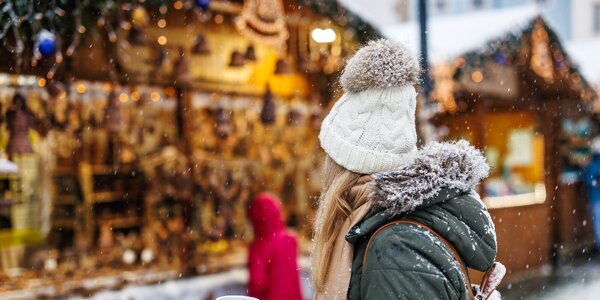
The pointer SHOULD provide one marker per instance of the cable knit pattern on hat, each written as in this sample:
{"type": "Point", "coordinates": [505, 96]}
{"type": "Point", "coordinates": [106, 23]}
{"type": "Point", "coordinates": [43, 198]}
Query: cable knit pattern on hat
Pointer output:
{"type": "Point", "coordinates": [372, 126]}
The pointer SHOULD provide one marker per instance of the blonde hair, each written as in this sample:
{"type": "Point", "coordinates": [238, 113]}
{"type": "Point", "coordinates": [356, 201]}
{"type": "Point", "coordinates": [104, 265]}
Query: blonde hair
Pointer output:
{"type": "Point", "coordinates": [334, 207]}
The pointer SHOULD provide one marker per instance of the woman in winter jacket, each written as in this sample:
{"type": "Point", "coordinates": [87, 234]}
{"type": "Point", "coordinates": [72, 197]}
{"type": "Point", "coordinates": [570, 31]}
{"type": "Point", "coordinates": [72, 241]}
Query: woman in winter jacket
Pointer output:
{"type": "Point", "coordinates": [272, 259]}
{"type": "Point", "coordinates": [374, 174]}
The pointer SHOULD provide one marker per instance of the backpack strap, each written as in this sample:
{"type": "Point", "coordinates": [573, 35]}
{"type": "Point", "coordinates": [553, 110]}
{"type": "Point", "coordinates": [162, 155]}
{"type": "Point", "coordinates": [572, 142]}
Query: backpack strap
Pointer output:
{"type": "Point", "coordinates": [442, 239]}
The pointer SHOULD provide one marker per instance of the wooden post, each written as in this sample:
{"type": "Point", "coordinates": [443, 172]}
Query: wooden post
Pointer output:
{"type": "Point", "coordinates": [551, 127]}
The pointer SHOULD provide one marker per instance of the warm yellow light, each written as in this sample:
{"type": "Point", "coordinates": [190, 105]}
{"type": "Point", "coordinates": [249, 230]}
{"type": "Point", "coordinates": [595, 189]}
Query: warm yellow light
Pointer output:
{"type": "Point", "coordinates": [477, 76]}
{"type": "Point", "coordinates": [170, 91]}
{"type": "Point", "coordinates": [155, 96]}
{"type": "Point", "coordinates": [163, 9]}
{"type": "Point", "coordinates": [81, 88]}
{"type": "Point", "coordinates": [42, 82]}
{"type": "Point", "coordinates": [135, 96]}
{"type": "Point", "coordinates": [106, 87]}
{"type": "Point", "coordinates": [82, 29]}
{"type": "Point", "coordinates": [162, 40]}
{"type": "Point", "coordinates": [219, 19]}
{"type": "Point", "coordinates": [162, 23]}
{"type": "Point", "coordinates": [327, 35]}
{"type": "Point", "coordinates": [123, 97]}
{"type": "Point", "coordinates": [178, 4]}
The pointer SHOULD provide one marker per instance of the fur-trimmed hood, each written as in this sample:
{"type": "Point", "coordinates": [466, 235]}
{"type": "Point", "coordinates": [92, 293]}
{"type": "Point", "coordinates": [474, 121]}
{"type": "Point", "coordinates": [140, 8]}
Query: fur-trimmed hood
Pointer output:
{"type": "Point", "coordinates": [436, 189]}
{"type": "Point", "coordinates": [451, 165]}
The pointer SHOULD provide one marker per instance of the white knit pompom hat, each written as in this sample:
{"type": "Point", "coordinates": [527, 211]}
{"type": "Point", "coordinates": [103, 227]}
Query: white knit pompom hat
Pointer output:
{"type": "Point", "coordinates": [371, 128]}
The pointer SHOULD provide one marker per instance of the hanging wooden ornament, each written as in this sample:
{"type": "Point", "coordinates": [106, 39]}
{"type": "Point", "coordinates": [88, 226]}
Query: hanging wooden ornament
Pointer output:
{"type": "Point", "coordinates": [268, 113]}
{"type": "Point", "coordinates": [250, 53]}
{"type": "Point", "coordinates": [282, 67]}
{"type": "Point", "coordinates": [114, 118]}
{"type": "Point", "coordinates": [201, 46]}
{"type": "Point", "coordinates": [181, 68]}
{"type": "Point", "coordinates": [264, 22]}
{"type": "Point", "coordinates": [237, 59]}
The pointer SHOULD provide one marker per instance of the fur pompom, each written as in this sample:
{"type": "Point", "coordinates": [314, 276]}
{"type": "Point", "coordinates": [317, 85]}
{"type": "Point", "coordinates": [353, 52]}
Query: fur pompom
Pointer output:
{"type": "Point", "coordinates": [456, 165]}
{"type": "Point", "coordinates": [380, 64]}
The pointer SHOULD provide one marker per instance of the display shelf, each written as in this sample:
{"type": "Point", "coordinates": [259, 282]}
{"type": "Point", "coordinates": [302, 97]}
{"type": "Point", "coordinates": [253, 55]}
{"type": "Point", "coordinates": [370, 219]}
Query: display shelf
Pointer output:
{"type": "Point", "coordinates": [119, 223]}
{"type": "Point", "coordinates": [107, 188]}
{"type": "Point", "coordinates": [69, 223]}
{"type": "Point", "coordinates": [108, 196]}
{"type": "Point", "coordinates": [66, 217]}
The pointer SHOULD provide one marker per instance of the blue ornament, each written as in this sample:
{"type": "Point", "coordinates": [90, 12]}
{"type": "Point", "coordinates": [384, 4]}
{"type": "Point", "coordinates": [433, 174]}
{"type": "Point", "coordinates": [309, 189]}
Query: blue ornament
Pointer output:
{"type": "Point", "coordinates": [500, 59]}
{"type": "Point", "coordinates": [45, 43]}
{"type": "Point", "coordinates": [203, 4]}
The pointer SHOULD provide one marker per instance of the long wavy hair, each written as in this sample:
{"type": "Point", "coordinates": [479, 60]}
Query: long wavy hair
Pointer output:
{"type": "Point", "coordinates": [334, 208]}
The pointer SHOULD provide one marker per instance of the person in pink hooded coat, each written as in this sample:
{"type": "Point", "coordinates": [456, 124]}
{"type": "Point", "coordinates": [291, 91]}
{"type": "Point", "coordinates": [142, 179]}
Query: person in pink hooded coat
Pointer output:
{"type": "Point", "coordinates": [272, 258]}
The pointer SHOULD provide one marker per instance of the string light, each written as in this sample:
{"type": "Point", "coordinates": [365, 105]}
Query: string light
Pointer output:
{"type": "Point", "coordinates": [135, 96]}
{"type": "Point", "coordinates": [155, 96]}
{"type": "Point", "coordinates": [81, 29]}
{"type": "Point", "coordinates": [178, 5]}
{"type": "Point", "coordinates": [123, 97]}
{"type": "Point", "coordinates": [162, 40]}
{"type": "Point", "coordinates": [170, 91]}
{"type": "Point", "coordinates": [219, 19]}
{"type": "Point", "coordinates": [477, 76]}
{"type": "Point", "coordinates": [81, 88]}
{"type": "Point", "coordinates": [162, 23]}
{"type": "Point", "coordinates": [42, 82]}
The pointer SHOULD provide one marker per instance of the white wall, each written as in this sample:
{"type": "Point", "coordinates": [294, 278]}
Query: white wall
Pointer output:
{"type": "Point", "coordinates": [583, 19]}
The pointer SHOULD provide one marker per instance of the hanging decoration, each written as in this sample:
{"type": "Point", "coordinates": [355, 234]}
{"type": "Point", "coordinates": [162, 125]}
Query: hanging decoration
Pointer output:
{"type": "Point", "coordinates": [264, 22]}
{"type": "Point", "coordinates": [45, 44]}
{"type": "Point", "coordinates": [201, 46]}
{"type": "Point", "coordinates": [203, 4]}
{"type": "Point", "coordinates": [269, 112]}
{"type": "Point", "coordinates": [282, 67]}
{"type": "Point", "coordinates": [237, 59]}
{"type": "Point", "coordinates": [250, 53]}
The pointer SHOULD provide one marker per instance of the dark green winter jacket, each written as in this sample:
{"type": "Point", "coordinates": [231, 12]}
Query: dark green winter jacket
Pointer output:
{"type": "Point", "coordinates": [406, 261]}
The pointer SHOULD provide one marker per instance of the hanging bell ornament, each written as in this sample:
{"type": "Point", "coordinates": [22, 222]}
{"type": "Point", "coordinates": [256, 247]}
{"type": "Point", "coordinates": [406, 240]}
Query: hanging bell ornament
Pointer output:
{"type": "Point", "coordinates": [282, 67]}
{"type": "Point", "coordinates": [237, 59]}
{"type": "Point", "coordinates": [201, 46]}
{"type": "Point", "coordinates": [250, 53]}
{"type": "Point", "coordinates": [268, 112]}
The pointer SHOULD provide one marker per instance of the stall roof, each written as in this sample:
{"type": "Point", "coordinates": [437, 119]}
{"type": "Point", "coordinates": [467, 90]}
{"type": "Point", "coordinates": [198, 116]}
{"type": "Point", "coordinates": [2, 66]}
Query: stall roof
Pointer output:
{"type": "Point", "coordinates": [449, 36]}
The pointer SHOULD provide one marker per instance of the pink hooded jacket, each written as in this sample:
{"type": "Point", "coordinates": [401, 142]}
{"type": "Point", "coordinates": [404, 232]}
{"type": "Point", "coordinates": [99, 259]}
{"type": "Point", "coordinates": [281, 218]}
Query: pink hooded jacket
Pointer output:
{"type": "Point", "coordinates": [272, 258]}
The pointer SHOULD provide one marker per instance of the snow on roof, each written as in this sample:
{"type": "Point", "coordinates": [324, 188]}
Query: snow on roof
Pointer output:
{"type": "Point", "coordinates": [377, 12]}
{"type": "Point", "coordinates": [449, 36]}
{"type": "Point", "coordinates": [585, 55]}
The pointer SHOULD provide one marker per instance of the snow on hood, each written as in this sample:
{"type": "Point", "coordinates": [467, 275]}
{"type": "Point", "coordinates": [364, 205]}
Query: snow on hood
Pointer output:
{"type": "Point", "coordinates": [455, 165]}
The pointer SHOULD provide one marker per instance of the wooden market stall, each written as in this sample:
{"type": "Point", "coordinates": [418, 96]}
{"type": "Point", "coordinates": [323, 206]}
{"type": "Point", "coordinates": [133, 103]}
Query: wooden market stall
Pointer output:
{"type": "Point", "coordinates": [521, 100]}
{"type": "Point", "coordinates": [152, 124]}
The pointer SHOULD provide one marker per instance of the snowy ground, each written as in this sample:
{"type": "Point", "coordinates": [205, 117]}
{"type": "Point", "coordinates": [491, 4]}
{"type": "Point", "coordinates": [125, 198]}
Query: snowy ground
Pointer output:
{"type": "Point", "coordinates": [581, 282]}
